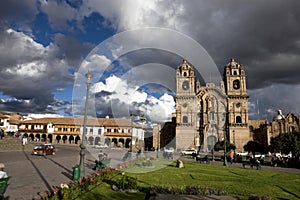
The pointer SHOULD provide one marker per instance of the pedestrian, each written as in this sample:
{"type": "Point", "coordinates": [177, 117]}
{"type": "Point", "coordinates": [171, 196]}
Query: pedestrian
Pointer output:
{"type": "Point", "coordinates": [100, 155]}
{"type": "Point", "coordinates": [3, 174]}
{"type": "Point", "coordinates": [1, 134]}
{"type": "Point", "coordinates": [231, 155]}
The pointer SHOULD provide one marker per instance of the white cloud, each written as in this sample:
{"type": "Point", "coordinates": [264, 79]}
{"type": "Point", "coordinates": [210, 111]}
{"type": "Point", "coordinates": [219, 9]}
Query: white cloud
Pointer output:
{"type": "Point", "coordinates": [157, 108]}
{"type": "Point", "coordinates": [39, 116]}
{"type": "Point", "coordinates": [136, 14]}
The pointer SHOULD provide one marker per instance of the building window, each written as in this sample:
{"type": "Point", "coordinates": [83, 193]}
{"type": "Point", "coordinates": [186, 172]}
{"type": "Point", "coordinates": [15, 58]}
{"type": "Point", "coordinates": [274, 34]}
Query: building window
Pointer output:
{"type": "Point", "coordinates": [185, 119]}
{"type": "Point", "coordinates": [211, 116]}
{"type": "Point", "coordinates": [99, 131]}
{"type": "Point", "coordinates": [91, 130]}
{"type": "Point", "coordinates": [238, 119]}
{"type": "Point", "coordinates": [236, 84]}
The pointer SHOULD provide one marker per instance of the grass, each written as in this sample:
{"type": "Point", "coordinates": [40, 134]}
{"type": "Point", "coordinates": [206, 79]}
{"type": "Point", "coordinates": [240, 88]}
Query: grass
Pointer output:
{"type": "Point", "coordinates": [237, 182]}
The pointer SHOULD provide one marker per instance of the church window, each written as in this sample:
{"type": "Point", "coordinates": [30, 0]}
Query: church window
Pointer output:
{"type": "Point", "coordinates": [211, 116]}
{"type": "Point", "coordinates": [234, 73]}
{"type": "Point", "coordinates": [238, 119]}
{"type": "Point", "coordinates": [185, 119]}
{"type": "Point", "coordinates": [184, 74]}
{"type": "Point", "coordinates": [236, 84]}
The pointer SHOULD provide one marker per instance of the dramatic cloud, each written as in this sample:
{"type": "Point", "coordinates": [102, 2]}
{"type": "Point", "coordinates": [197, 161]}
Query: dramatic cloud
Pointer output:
{"type": "Point", "coordinates": [43, 42]}
{"type": "Point", "coordinates": [122, 97]}
{"type": "Point", "coordinates": [30, 71]}
{"type": "Point", "coordinates": [264, 39]}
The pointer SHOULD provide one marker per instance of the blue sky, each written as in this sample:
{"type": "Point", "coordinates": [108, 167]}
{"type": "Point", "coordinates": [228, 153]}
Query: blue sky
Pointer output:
{"type": "Point", "coordinates": [44, 47]}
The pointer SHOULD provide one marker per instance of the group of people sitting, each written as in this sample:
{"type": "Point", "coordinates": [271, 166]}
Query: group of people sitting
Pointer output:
{"type": "Point", "coordinates": [3, 174]}
{"type": "Point", "coordinates": [102, 156]}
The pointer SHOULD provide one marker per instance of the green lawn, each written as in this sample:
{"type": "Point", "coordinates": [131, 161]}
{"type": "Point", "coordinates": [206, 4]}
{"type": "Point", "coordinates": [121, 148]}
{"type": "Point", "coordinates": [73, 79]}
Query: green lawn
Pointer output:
{"type": "Point", "coordinates": [236, 181]}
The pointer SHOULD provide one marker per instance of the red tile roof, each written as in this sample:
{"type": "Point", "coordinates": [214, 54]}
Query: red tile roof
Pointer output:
{"type": "Point", "coordinates": [105, 122]}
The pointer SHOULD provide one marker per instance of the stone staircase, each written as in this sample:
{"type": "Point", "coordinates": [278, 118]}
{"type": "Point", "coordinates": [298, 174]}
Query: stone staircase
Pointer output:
{"type": "Point", "coordinates": [10, 143]}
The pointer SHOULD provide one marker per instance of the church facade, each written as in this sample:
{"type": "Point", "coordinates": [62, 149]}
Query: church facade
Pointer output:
{"type": "Point", "coordinates": [209, 113]}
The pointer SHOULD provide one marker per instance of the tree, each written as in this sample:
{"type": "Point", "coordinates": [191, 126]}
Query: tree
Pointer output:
{"type": "Point", "coordinates": [220, 146]}
{"type": "Point", "coordinates": [286, 143]}
{"type": "Point", "coordinates": [254, 146]}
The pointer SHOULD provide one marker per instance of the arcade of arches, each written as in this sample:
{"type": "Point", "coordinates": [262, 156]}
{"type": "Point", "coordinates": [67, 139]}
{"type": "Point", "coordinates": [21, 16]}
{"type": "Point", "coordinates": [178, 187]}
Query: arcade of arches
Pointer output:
{"type": "Point", "coordinates": [75, 139]}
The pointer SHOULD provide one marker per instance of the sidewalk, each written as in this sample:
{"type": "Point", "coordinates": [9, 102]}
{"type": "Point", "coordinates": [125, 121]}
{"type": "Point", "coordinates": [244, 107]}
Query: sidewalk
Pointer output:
{"type": "Point", "coordinates": [263, 167]}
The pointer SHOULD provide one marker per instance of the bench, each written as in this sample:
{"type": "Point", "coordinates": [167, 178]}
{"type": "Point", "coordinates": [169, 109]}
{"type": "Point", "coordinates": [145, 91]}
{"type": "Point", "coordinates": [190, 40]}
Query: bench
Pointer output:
{"type": "Point", "coordinates": [101, 164]}
{"type": "Point", "coordinates": [3, 186]}
{"type": "Point", "coordinates": [247, 160]}
{"type": "Point", "coordinates": [202, 158]}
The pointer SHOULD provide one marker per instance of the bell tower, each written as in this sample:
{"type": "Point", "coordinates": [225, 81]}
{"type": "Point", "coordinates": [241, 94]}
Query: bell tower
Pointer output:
{"type": "Point", "coordinates": [237, 104]}
{"type": "Point", "coordinates": [186, 107]}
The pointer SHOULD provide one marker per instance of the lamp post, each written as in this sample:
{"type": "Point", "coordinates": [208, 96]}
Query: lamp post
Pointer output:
{"type": "Point", "coordinates": [88, 76]}
{"type": "Point", "coordinates": [234, 140]}
{"type": "Point", "coordinates": [225, 159]}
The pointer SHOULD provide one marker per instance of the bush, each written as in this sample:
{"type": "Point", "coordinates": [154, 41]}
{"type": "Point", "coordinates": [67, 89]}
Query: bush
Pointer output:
{"type": "Point", "coordinates": [186, 190]}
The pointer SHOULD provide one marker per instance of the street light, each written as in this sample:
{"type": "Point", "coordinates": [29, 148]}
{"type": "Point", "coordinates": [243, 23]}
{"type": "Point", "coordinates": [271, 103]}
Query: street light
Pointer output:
{"type": "Point", "coordinates": [234, 140]}
{"type": "Point", "coordinates": [88, 76]}
{"type": "Point", "coordinates": [225, 159]}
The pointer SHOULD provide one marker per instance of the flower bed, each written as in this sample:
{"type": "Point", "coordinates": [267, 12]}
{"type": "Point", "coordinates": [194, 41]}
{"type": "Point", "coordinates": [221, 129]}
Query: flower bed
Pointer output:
{"type": "Point", "coordinates": [77, 188]}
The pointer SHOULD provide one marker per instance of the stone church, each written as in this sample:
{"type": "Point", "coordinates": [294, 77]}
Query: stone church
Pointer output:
{"type": "Point", "coordinates": [208, 113]}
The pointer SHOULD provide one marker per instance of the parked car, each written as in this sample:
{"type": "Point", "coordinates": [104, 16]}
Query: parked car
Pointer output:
{"type": "Point", "coordinates": [259, 155]}
{"type": "Point", "coordinates": [242, 153]}
{"type": "Point", "coordinates": [100, 146]}
{"type": "Point", "coordinates": [44, 149]}
{"type": "Point", "coordinates": [189, 152]}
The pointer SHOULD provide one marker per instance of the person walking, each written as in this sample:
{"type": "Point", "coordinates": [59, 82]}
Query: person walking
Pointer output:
{"type": "Point", "coordinates": [231, 155]}
{"type": "Point", "coordinates": [1, 134]}
{"type": "Point", "coordinates": [100, 155]}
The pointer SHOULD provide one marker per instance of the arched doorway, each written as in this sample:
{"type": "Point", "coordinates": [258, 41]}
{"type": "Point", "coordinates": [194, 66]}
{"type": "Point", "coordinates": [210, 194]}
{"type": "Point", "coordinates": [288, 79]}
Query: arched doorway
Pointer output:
{"type": "Point", "coordinates": [91, 140]}
{"type": "Point", "coordinates": [31, 136]}
{"type": "Point", "coordinates": [50, 136]}
{"type": "Point", "coordinates": [107, 141]}
{"type": "Point", "coordinates": [58, 138]}
{"type": "Point", "coordinates": [71, 139]}
{"type": "Point", "coordinates": [97, 140]}
{"type": "Point", "coordinates": [127, 143]}
{"type": "Point", "coordinates": [211, 141]}
{"type": "Point", "coordinates": [77, 138]}
{"type": "Point", "coordinates": [122, 142]}
{"type": "Point", "coordinates": [64, 138]}
{"type": "Point", "coordinates": [44, 137]}
{"type": "Point", "coordinates": [114, 142]}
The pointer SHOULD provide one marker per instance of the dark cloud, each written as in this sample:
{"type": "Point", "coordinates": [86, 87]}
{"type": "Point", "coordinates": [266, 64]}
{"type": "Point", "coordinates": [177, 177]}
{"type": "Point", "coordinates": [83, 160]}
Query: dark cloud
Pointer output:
{"type": "Point", "coordinates": [71, 49]}
{"type": "Point", "coordinates": [264, 36]}
{"type": "Point", "coordinates": [18, 10]}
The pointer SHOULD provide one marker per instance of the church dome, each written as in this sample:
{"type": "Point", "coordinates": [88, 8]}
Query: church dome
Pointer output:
{"type": "Point", "coordinates": [279, 115]}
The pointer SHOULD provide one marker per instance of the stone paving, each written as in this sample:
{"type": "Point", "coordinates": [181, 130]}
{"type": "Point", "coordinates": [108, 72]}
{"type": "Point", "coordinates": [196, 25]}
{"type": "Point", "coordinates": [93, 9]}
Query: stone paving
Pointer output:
{"type": "Point", "coordinates": [17, 190]}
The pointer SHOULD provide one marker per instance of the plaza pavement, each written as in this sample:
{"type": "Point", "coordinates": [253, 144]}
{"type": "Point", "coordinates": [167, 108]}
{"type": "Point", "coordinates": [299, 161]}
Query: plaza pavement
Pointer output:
{"type": "Point", "coordinates": [18, 191]}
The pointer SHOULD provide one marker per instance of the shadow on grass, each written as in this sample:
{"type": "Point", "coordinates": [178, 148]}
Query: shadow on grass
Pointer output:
{"type": "Point", "coordinates": [295, 195]}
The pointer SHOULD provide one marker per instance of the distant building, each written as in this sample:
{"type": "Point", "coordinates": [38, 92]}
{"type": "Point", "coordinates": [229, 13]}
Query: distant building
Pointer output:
{"type": "Point", "coordinates": [9, 122]}
{"type": "Point", "coordinates": [113, 132]}
{"type": "Point", "coordinates": [280, 124]}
